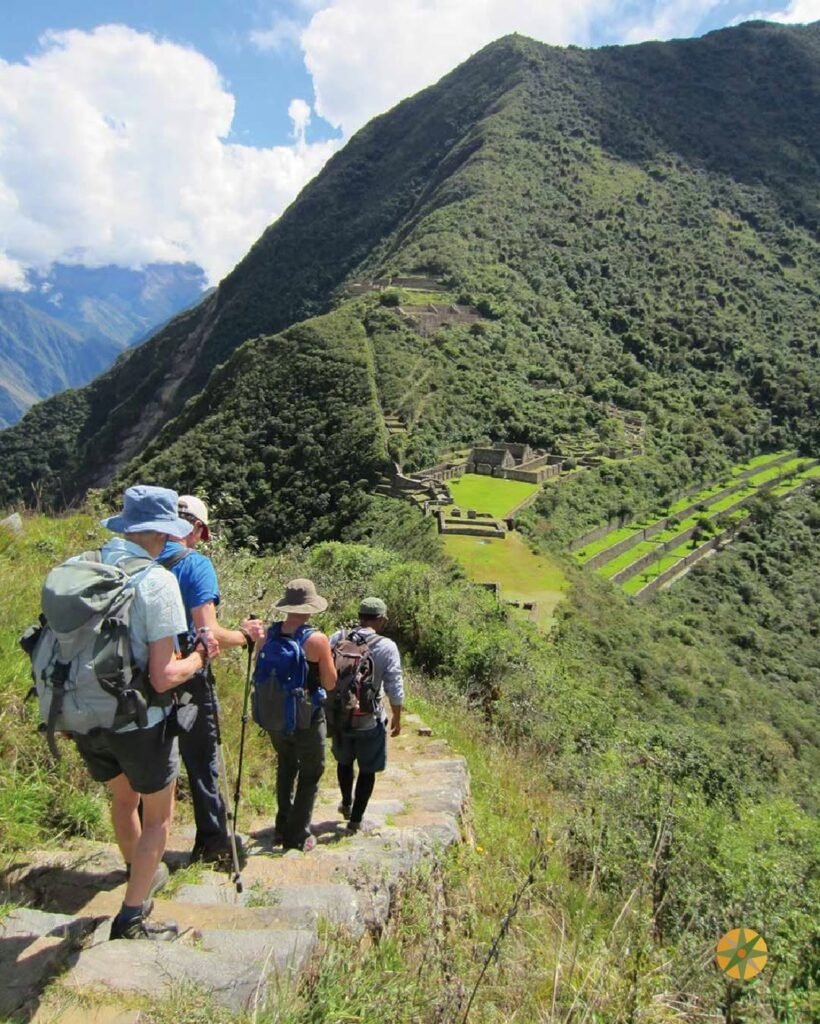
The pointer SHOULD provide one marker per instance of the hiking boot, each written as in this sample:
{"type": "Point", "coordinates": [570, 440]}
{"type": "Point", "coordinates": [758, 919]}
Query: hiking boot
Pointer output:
{"type": "Point", "coordinates": [218, 852]}
{"type": "Point", "coordinates": [309, 844]}
{"type": "Point", "coordinates": [141, 928]}
{"type": "Point", "coordinates": [345, 809]}
{"type": "Point", "coordinates": [365, 825]}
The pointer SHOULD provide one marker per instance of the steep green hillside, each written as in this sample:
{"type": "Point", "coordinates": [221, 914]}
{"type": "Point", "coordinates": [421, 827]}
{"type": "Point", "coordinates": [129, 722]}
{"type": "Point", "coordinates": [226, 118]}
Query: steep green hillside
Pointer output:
{"type": "Point", "coordinates": [289, 275]}
{"type": "Point", "coordinates": [288, 435]}
{"type": "Point", "coordinates": [637, 229]}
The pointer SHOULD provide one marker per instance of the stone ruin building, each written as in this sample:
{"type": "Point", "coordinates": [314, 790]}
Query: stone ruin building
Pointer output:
{"type": "Point", "coordinates": [513, 462]}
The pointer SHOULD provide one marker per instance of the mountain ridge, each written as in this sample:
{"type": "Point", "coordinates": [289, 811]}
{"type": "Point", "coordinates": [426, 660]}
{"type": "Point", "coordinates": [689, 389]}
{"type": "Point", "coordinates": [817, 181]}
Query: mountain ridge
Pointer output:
{"type": "Point", "coordinates": [73, 321]}
{"type": "Point", "coordinates": [545, 188]}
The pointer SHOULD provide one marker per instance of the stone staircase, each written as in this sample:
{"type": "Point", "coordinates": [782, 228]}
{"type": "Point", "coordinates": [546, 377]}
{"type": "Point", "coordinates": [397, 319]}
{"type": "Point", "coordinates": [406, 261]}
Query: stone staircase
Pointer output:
{"type": "Point", "coordinates": [246, 950]}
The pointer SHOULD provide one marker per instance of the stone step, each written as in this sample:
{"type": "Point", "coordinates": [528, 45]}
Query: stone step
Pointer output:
{"type": "Point", "coordinates": [240, 969]}
{"type": "Point", "coordinates": [34, 946]}
{"type": "Point", "coordinates": [243, 947]}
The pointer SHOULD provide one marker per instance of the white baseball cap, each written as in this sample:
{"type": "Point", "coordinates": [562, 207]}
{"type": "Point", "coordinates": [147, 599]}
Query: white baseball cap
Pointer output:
{"type": "Point", "coordinates": [195, 508]}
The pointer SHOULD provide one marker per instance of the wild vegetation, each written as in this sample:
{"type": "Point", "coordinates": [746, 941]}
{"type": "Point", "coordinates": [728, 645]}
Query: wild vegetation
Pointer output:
{"type": "Point", "coordinates": [668, 756]}
{"type": "Point", "coordinates": [637, 229]}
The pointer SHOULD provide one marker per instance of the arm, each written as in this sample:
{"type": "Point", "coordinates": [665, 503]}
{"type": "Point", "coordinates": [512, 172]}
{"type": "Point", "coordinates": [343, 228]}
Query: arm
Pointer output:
{"type": "Point", "coordinates": [166, 671]}
{"type": "Point", "coordinates": [205, 615]}
{"type": "Point", "coordinates": [317, 649]}
{"type": "Point", "coordinates": [393, 683]}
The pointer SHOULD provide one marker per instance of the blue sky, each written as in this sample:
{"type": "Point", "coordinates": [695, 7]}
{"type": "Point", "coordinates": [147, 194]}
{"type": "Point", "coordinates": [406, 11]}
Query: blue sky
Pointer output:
{"type": "Point", "coordinates": [172, 130]}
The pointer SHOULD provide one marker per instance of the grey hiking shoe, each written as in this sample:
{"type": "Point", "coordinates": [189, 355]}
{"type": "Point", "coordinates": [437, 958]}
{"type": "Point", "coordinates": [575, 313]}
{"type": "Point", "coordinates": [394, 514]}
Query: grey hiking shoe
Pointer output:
{"type": "Point", "coordinates": [141, 928]}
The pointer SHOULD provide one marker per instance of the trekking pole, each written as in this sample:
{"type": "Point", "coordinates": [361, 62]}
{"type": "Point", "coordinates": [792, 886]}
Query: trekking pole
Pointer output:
{"type": "Point", "coordinates": [245, 703]}
{"type": "Point", "coordinates": [223, 774]}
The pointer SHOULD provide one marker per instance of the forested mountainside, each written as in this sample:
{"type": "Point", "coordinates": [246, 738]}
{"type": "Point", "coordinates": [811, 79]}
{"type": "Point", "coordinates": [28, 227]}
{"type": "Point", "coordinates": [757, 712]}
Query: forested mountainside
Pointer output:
{"type": "Point", "coordinates": [632, 232]}
{"type": "Point", "coordinates": [72, 322]}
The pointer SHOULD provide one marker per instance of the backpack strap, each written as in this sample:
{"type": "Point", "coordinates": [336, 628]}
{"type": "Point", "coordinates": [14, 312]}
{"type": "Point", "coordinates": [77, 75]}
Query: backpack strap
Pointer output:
{"type": "Point", "coordinates": [174, 558]}
{"type": "Point", "coordinates": [56, 707]}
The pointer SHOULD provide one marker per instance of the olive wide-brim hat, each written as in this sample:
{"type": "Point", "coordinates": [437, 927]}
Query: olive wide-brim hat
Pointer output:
{"type": "Point", "coordinates": [301, 598]}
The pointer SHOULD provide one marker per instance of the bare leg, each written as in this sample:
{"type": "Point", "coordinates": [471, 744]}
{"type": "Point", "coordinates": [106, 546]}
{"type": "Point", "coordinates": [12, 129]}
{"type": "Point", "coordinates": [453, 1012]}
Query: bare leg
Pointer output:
{"type": "Point", "coordinates": [125, 816]}
{"type": "Point", "coordinates": [157, 812]}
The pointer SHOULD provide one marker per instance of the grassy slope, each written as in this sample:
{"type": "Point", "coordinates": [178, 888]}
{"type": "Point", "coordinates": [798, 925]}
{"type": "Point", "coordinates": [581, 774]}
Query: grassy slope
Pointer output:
{"type": "Point", "coordinates": [621, 723]}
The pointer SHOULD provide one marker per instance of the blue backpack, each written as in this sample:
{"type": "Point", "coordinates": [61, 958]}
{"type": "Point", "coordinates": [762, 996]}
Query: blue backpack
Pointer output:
{"type": "Point", "coordinates": [282, 701]}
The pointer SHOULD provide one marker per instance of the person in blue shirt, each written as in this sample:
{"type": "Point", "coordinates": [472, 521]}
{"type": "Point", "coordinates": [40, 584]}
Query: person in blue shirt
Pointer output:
{"type": "Point", "coordinates": [199, 587]}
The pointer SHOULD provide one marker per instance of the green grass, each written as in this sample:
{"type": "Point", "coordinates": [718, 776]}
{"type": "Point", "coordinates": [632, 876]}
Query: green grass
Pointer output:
{"type": "Point", "coordinates": [489, 494]}
{"type": "Point", "coordinates": [637, 582]}
{"type": "Point", "coordinates": [522, 575]}
{"type": "Point", "coordinates": [763, 476]}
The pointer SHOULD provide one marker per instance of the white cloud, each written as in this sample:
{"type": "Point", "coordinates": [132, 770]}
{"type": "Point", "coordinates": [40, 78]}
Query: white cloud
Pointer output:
{"type": "Point", "coordinates": [366, 55]}
{"type": "Point", "coordinates": [798, 12]}
{"type": "Point", "coordinates": [114, 149]}
{"type": "Point", "coordinates": [283, 31]}
{"type": "Point", "coordinates": [669, 19]}
{"type": "Point", "coordinates": [299, 113]}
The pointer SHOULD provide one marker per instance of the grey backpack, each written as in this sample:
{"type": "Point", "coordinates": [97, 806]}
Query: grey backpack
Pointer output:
{"type": "Point", "coordinates": [81, 660]}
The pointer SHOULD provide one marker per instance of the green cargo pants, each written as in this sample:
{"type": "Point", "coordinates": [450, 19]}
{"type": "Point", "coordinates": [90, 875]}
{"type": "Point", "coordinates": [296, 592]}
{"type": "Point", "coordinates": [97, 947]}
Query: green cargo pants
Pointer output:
{"type": "Point", "coordinates": [300, 765]}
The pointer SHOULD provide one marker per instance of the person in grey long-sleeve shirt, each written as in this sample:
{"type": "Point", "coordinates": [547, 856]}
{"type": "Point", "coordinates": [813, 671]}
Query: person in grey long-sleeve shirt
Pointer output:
{"type": "Point", "coordinates": [363, 739]}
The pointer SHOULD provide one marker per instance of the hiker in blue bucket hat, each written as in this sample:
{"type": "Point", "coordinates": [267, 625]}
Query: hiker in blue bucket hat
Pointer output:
{"type": "Point", "coordinates": [139, 761]}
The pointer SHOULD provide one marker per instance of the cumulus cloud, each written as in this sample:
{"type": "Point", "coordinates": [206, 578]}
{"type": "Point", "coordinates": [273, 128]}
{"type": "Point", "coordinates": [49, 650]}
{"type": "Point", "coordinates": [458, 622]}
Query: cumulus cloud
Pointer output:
{"type": "Point", "coordinates": [669, 19]}
{"type": "Point", "coordinates": [366, 55]}
{"type": "Point", "coordinates": [115, 148]}
{"type": "Point", "coordinates": [798, 12]}
{"type": "Point", "coordinates": [299, 113]}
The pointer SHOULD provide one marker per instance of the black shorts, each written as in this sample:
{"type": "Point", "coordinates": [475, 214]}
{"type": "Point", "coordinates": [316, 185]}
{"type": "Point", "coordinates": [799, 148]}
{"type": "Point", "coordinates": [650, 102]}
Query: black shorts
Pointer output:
{"type": "Point", "coordinates": [366, 746]}
{"type": "Point", "coordinates": [148, 758]}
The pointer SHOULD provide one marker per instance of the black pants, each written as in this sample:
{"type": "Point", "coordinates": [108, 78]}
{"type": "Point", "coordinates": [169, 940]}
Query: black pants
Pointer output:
{"type": "Point", "coordinates": [364, 789]}
{"type": "Point", "coordinates": [199, 755]}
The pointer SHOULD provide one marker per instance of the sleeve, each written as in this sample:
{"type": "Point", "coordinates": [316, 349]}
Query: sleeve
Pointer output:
{"type": "Point", "coordinates": [392, 678]}
{"type": "Point", "coordinates": [198, 581]}
{"type": "Point", "coordinates": [164, 613]}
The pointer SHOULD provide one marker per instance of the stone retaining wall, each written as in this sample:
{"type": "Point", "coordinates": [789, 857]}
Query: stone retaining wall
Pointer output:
{"type": "Point", "coordinates": [688, 562]}
{"type": "Point", "coordinates": [652, 556]}
{"type": "Point", "coordinates": [600, 532]}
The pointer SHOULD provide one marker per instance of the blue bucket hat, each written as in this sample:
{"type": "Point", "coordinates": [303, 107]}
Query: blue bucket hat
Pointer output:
{"type": "Point", "coordinates": [149, 508]}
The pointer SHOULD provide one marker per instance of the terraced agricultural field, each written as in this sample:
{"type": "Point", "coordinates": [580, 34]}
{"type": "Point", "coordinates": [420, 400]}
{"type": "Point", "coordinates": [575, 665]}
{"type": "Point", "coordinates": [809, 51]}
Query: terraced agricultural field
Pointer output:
{"type": "Point", "coordinates": [766, 468]}
{"type": "Point", "coordinates": [670, 558]}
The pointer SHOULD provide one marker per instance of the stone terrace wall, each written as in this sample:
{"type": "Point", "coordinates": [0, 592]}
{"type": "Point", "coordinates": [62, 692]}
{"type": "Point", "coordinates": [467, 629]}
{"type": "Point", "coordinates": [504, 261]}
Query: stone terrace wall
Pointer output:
{"type": "Point", "coordinates": [531, 476]}
{"type": "Point", "coordinates": [615, 524]}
